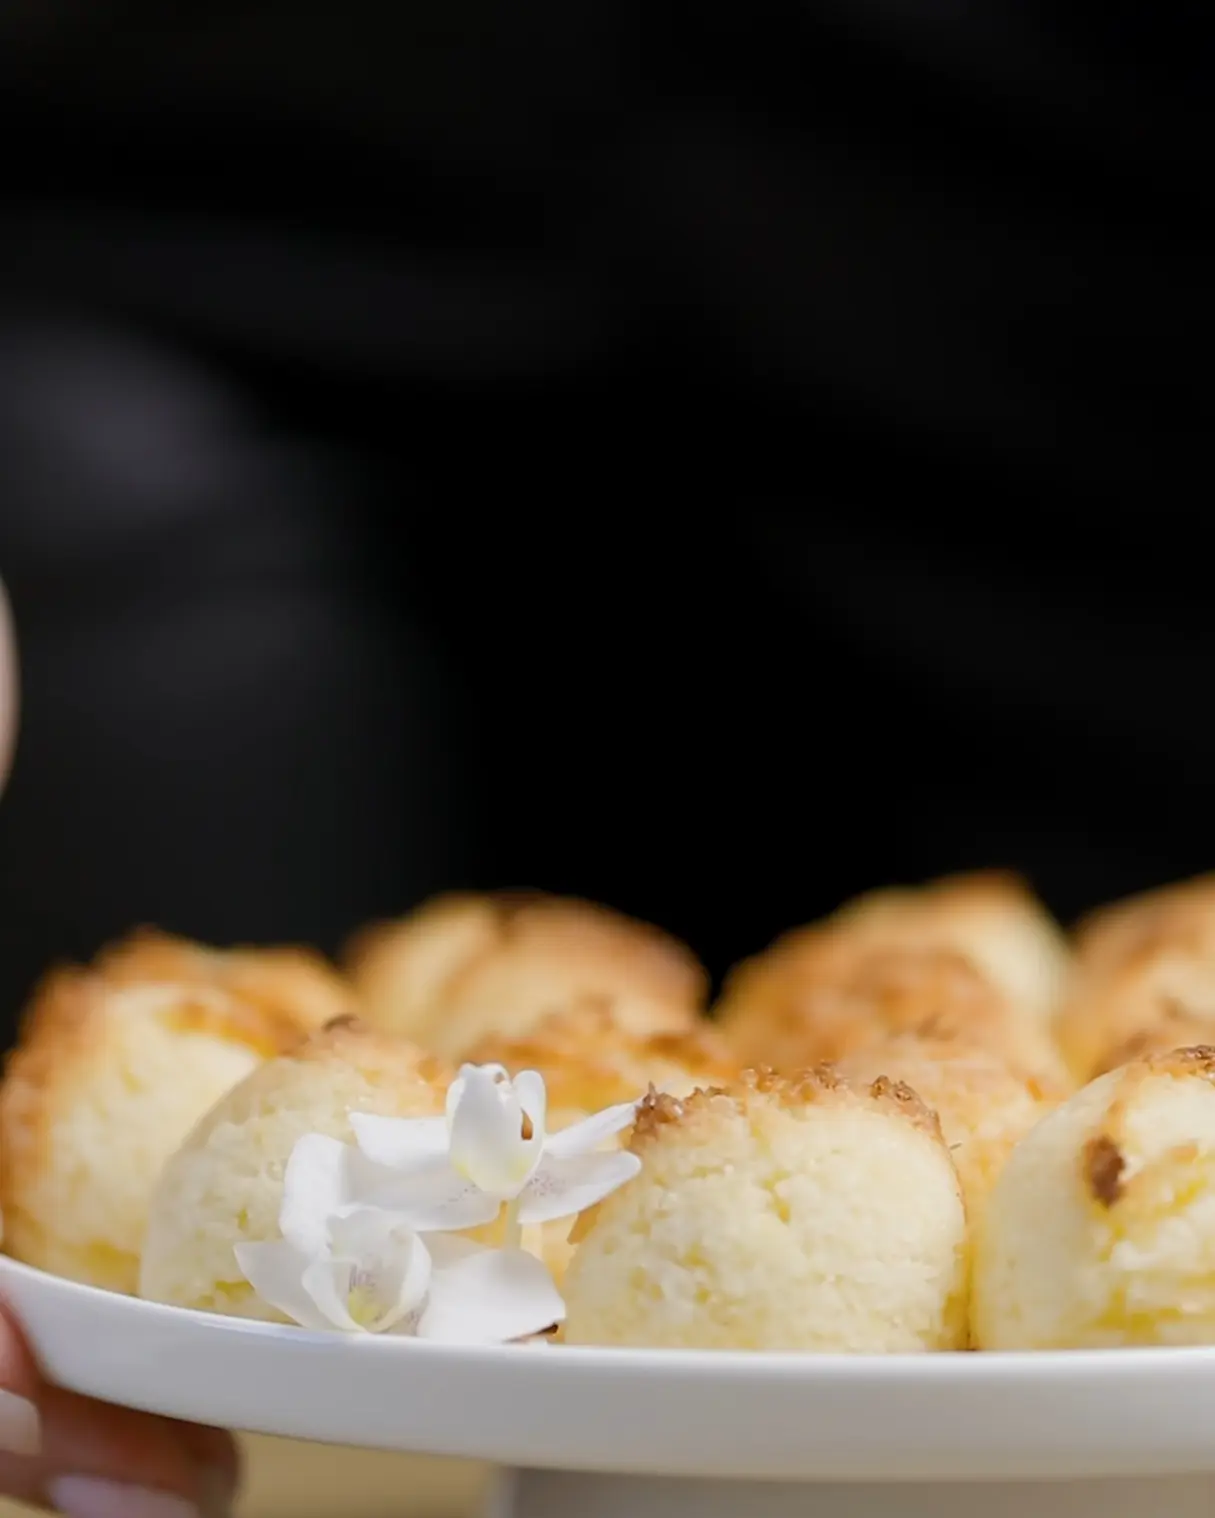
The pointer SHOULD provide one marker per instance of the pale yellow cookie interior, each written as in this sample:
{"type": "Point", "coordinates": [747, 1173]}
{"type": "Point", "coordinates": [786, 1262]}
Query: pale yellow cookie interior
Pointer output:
{"type": "Point", "coordinates": [224, 1185]}
{"type": "Point", "coordinates": [105, 1082]}
{"type": "Point", "coordinates": [781, 1214]}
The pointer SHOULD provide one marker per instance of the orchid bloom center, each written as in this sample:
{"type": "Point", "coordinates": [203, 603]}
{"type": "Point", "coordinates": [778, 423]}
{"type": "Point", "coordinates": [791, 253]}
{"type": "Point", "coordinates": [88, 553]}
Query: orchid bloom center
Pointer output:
{"type": "Point", "coordinates": [496, 1128]}
{"type": "Point", "coordinates": [364, 1302]}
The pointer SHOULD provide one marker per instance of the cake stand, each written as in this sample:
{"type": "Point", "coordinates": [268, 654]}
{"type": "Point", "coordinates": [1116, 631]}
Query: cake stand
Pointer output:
{"type": "Point", "coordinates": [588, 1433]}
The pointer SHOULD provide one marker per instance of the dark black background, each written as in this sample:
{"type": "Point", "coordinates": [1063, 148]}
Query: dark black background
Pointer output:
{"type": "Point", "coordinates": [710, 460]}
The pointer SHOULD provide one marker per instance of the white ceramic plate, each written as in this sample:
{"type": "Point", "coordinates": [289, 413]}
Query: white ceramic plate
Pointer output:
{"type": "Point", "coordinates": [787, 1417]}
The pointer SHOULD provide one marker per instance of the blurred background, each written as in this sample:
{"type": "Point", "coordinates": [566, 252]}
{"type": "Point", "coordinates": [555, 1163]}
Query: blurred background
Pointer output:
{"type": "Point", "coordinates": [707, 462]}
{"type": "Point", "coordinates": [711, 460]}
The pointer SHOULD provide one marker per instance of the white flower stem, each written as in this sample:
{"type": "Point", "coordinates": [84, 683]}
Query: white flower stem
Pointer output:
{"type": "Point", "coordinates": [512, 1230]}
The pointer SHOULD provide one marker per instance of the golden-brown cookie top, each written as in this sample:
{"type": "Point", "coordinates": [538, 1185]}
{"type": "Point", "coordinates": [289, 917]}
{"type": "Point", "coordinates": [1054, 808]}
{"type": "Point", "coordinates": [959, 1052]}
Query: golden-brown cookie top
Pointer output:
{"type": "Point", "coordinates": [284, 980]}
{"type": "Point", "coordinates": [75, 1015]}
{"type": "Point", "coordinates": [974, 1072]}
{"type": "Point", "coordinates": [933, 992]}
{"type": "Point", "coordinates": [464, 967]}
{"type": "Point", "coordinates": [399, 967]}
{"type": "Point", "coordinates": [73, 1010]}
{"type": "Point", "coordinates": [1196, 1060]}
{"type": "Point", "coordinates": [1174, 1029]}
{"type": "Point", "coordinates": [589, 1060]}
{"type": "Point", "coordinates": [973, 894]}
{"type": "Point", "coordinates": [755, 1091]}
{"type": "Point", "coordinates": [766, 1102]}
{"type": "Point", "coordinates": [1157, 987]}
{"type": "Point", "coordinates": [380, 1057]}
{"type": "Point", "coordinates": [839, 1002]}
{"type": "Point", "coordinates": [985, 1105]}
{"type": "Point", "coordinates": [342, 1066]}
{"type": "Point", "coordinates": [1113, 935]}
{"type": "Point", "coordinates": [664, 965]}
{"type": "Point", "coordinates": [989, 918]}
{"type": "Point", "coordinates": [105, 1080]}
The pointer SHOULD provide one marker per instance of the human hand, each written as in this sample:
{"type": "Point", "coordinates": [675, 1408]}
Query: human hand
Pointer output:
{"type": "Point", "coordinates": [86, 1459]}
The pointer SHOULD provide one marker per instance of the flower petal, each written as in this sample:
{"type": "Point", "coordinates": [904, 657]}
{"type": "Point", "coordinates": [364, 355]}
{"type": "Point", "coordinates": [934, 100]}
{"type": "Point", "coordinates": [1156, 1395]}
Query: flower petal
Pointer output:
{"type": "Point", "coordinates": [401, 1143]}
{"type": "Point", "coordinates": [275, 1271]}
{"type": "Point", "coordinates": [316, 1182]}
{"type": "Point", "coordinates": [450, 1248]}
{"type": "Point", "coordinates": [562, 1187]}
{"type": "Point", "coordinates": [491, 1297]}
{"type": "Point", "coordinates": [430, 1200]}
{"type": "Point", "coordinates": [498, 1074]}
{"type": "Point", "coordinates": [586, 1136]}
{"type": "Point", "coordinates": [382, 1243]}
{"type": "Point", "coordinates": [491, 1144]}
{"type": "Point", "coordinates": [533, 1101]}
{"type": "Point", "coordinates": [328, 1284]}
{"type": "Point", "coordinates": [391, 1270]}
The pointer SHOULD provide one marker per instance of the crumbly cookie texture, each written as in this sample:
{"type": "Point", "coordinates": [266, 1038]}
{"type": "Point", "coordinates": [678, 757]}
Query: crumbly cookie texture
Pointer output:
{"type": "Point", "coordinates": [1111, 935]}
{"type": "Point", "coordinates": [105, 1082]}
{"type": "Point", "coordinates": [839, 1003]}
{"type": "Point", "coordinates": [590, 1061]}
{"type": "Point", "coordinates": [223, 1186]}
{"type": "Point", "coordinates": [1101, 1229]}
{"type": "Point", "coordinates": [989, 918]}
{"type": "Point", "coordinates": [1160, 996]}
{"type": "Point", "coordinates": [466, 967]}
{"type": "Point", "coordinates": [286, 981]}
{"type": "Point", "coordinates": [780, 1212]}
{"type": "Point", "coordinates": [986, 1105]}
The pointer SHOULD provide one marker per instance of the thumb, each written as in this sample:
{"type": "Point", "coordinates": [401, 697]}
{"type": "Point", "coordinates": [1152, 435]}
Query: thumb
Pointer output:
{"type": "Point", "coordinates": [20, 1423]}
{"type": "Point", "coordinates": [47, 1434]}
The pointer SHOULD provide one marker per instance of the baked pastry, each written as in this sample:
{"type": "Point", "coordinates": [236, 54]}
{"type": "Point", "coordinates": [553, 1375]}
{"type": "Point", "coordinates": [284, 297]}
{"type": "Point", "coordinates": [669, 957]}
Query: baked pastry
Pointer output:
{"type": "Point", "coordinates": [1112, 935]}
{"type": "Point", "coordinates": [1101, 1229]}
{"type": "Point", "coordinates": [989, 917]}
{"type": "Point", "coordinates": [590, 1061]}
{"type": "Point", "coordinates": [1174, 1029]}
{"type": "Point", "coordinates": [845, 998]}
{"type": "Point", "coordinates": [796, 1213]}
{"type": "Point", "coordinates": [985, 1104]}
{"type": "Point", "coordinates": [1161, 997]}
{"type": "Point", "coordinates": [105, 1082]}
{"type": "Point", "coordinates": [285, 980]}
{"type": "Point", "coordinates": [223, 1186]}
{"type": "Point", "coordinates": [463, 967]}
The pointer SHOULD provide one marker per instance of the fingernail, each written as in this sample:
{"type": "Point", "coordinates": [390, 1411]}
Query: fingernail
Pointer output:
{"type": "Point", "coordinates": [20, 1427]}
{"type": "Point", "coordinates": [91, 1497]}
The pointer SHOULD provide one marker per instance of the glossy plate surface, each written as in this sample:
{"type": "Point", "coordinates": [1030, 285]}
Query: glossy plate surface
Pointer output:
{"type": "Point", "coordinates": [642, 1412]}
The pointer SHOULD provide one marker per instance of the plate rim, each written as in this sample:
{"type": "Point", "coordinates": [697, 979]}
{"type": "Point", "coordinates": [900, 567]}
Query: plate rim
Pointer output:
{"type": "Point", "coordinates": [737, 1415]}
{"type": "Point", "coordinates": [784, 1364]}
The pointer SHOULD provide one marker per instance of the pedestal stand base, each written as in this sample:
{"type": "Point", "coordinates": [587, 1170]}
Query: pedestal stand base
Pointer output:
{"type": "Point", "coordinates": [558, 1494]}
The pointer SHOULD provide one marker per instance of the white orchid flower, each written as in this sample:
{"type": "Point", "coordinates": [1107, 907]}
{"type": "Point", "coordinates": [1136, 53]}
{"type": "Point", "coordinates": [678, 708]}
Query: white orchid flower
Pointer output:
{"type": "Point", "coordinates": [492, 1148]}
{"type": "Point", "coordinates": [341, 1265]}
